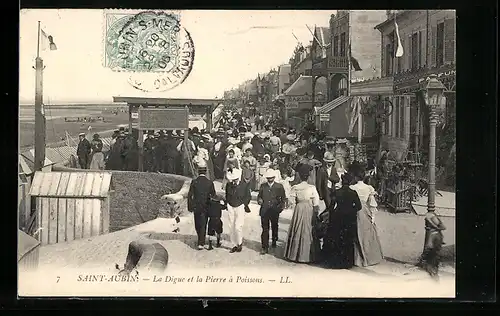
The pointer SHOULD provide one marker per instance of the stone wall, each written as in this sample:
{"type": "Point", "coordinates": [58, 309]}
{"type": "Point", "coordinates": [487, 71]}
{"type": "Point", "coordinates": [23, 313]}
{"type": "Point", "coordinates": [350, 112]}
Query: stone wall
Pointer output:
{"type": "Point", "coordinates": [135, 197]}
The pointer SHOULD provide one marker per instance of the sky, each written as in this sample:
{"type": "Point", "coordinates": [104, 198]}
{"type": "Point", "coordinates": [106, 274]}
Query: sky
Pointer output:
{"type": "Point", "coordinates": [231, 47]}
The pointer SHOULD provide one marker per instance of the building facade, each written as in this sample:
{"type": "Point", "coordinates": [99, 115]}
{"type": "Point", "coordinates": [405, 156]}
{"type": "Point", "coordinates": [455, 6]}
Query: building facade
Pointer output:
{"type": "Point", "coordinates": [428, 41]}
{"type": "Point", "coordinates": [353, 56]}
{"type": "Point", "coordinates": [284, 78]}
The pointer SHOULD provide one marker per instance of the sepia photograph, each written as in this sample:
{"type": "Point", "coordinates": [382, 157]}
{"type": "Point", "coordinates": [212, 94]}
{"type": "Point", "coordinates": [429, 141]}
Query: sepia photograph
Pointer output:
{"type": "Point", "coordinates": [237, 153]}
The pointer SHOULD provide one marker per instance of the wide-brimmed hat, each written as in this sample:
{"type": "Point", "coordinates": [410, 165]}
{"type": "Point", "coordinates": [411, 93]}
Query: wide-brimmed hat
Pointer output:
{"type": "Point", "coordinates": [81, 134]}
{"type": "Point", "coordinates": [248, 135]}
{"type": "Point", "coordinates": [232, 141]}
{"type": "Point", "coordinates": [290, 137]}
{"type": "Point", "coordinates": [202, 164]}
{"type": "Point", "coordinates": [329, 157]}
{"type": "Point", "coordinates": [342, 141]}
{"type": "Point", "coordinates": [207, 137]}
{"type": "Point", "coordinates": [234, 174]}
{"type": "Point", "coordinates": [270, 173]}
{"type": "Point", "coordinates": [288, 149]}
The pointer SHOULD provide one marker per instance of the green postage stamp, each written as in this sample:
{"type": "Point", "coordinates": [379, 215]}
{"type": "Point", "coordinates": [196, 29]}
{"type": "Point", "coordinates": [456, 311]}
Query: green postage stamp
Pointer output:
{"type": "Point", "coordinates": [152, 43]}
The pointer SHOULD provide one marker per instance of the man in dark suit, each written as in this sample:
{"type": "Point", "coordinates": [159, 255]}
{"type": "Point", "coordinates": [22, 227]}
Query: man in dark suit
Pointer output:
{"type": "Point", "coordinates": [326, 179]}
{"type": "Point", "coordinates": [200, 193]}
{"type": "Point", "coordinates": [272, 200]}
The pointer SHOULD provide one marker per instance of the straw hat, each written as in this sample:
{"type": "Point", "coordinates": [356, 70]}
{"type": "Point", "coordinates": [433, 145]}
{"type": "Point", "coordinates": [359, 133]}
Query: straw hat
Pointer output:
{"type": "Point", "coordinates": [81, 134]}
{"type": "Point", "coordinates": [248, 135]}
{"type": "Point", "coordinates": [342, 141]}
{"type": "Point", "coordinates": [288, 149]}
{"type": "Point", "coordinates": [290, 137]}
{"type": "Point", "coordinates": [233, 141]}
{"type": "Point", "coordinates": [207, 137]}
{"type": "Point", "coordinates": [329, 157]}
{"type": "Point", "coordinates": [234, 174]}
{"type": "Point", "coordinates": [270, 173]}
{"type": "Point", "coordinates": [202, 164]}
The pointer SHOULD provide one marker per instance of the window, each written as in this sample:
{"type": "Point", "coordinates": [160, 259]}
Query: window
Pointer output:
{"type": "Point", "coordinates": [336, 45]}
{"type": "Point", "coordinates": [415, 52]}
{"type": "Point", "coordinates": [440, 44]}
{"type": "Point", "coordinates": [342, 45]}
{"type": "Point", "coordinates": [388, 59]}
{"type": "Point", "coordinates": [402, 117]}
{"type": "Point", "coordinates": [420, 48]}
{"type": "Point", "coordinates": [395, 131]}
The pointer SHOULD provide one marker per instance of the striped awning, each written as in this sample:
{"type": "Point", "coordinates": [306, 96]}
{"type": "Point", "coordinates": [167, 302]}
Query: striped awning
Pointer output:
{"type": "Point", "coordinates": [332, 105]}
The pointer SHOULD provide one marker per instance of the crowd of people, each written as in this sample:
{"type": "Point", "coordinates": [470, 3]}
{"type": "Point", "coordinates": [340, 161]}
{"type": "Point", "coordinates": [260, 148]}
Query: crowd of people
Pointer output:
{"type": "Point", "coordinates": [331, 189]}
{"type": "Point", "coordinates": [304, 170]}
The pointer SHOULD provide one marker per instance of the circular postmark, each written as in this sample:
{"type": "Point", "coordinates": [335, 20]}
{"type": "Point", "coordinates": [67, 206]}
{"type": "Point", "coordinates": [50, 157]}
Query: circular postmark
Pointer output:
{"type": "Point", "coordinates": [154, 47]}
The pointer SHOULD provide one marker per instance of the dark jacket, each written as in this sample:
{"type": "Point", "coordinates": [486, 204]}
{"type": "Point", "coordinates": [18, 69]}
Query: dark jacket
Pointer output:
{"type": "Point", "coordinates": [200, 193]}
{"type": "Point", "coordinates": [322, 183]}
{"type": "Point", "coordinates": [273, 198]}
{"type": "Point", "coordinates": [236, 195]}
{"type": "Point", "coordinates": [215, 209]}
{"type": "Point", "coordinates": [96, 145]}
{"type": "Point", "coordinates": [84, 148]}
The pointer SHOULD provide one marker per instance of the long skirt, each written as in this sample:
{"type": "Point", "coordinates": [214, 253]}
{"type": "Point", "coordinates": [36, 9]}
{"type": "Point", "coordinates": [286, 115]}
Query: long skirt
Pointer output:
{"type": "Point", "coordinates": [97, 162]}
{"type": "Point", "coordinates": [210, 169]}
{"type": "Point", "coordinates": [367, 250]}
{"type": "Point", "coordinates": [302, 245]}
{"type": "Point", "coordinates": [338, 246]}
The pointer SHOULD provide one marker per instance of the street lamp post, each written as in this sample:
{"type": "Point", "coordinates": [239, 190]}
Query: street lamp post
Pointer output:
{"type": "Point", "coordinates": [433, 95]}
{"type": "Point", "coordinates": [39, 162]}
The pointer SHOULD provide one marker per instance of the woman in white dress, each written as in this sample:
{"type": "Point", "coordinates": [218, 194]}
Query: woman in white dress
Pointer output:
{"type": "Point", "coordinates": [302, 243]}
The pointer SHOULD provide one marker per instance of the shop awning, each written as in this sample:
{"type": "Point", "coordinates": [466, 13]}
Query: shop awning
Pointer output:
{"type": "Point", "coordinates": [332, 105]}
{"type": "Point", "coordinates": [303, 86]}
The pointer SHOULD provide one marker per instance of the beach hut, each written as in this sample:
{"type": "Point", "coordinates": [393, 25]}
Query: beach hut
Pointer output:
{"type": "Point", "coordinates": [71, 205]}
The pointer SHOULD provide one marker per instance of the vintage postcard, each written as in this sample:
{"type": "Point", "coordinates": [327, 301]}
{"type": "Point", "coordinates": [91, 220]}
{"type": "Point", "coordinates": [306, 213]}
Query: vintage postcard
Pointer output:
{"type": "Point", "coordinates": [205, 153]}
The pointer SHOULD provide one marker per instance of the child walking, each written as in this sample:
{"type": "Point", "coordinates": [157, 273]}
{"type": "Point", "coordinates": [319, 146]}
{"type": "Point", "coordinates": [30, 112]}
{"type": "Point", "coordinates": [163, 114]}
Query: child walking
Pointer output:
{"type": "Point", "coordinates": [215, 225]}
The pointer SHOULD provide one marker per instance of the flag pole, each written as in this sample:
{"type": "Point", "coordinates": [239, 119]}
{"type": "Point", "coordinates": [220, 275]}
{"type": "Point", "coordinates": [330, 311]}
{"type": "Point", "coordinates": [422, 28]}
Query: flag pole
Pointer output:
{"type": "Point", "coordinates": [349, 76]}
{"type": "Point", "coordinates": [39, 115]}
{"type": "Point", "coordinates": [38, 42]}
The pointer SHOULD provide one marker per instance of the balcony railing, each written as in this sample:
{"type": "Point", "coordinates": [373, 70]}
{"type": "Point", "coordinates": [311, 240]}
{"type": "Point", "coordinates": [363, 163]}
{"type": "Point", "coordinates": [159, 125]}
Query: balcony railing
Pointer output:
{"type": "Point", "coordinates": [338, 62]}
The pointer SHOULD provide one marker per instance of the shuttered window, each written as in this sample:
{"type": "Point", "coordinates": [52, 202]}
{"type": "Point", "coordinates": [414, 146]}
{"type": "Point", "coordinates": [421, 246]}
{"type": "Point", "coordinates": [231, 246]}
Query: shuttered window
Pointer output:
{"type": "Point", "coordinates": [440, 44]}
{"type": "Point", "coordinates": [432, 43]}
{"type": "Point", "coordinates": [414, 52]}
{"type": "Point", "coordinates": [395, 132]}
{"type": "Point", "coordinates": [336, 45]}
{"type": "Point", "coordinates": [449, 40]}
{"type": "Point", "coordinates": [402, 121]}
{"type": "Point", "coordinates": [420, 49]}
{"type": "Point", "coordinates": [382, 54]}
{"type": "Point", "coordinates": [343, 44]}
{"type": "Point", "coordinates": [388, 60]}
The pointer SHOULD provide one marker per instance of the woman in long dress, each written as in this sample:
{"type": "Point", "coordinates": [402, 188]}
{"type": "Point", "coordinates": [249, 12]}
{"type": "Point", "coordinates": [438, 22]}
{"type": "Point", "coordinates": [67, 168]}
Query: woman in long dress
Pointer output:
{"type": "Point", "coordinates": [302, 244]}
{"type": "Point", "coordinates": [338, 247]}
{"type": "Point", "coordinates": [367, 250]}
